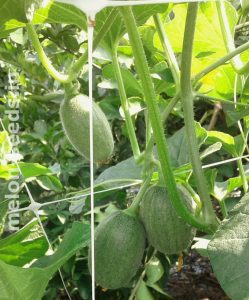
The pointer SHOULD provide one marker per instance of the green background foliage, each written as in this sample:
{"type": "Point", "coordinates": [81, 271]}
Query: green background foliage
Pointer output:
{"type": "Point", "coordinates": [53, 170]}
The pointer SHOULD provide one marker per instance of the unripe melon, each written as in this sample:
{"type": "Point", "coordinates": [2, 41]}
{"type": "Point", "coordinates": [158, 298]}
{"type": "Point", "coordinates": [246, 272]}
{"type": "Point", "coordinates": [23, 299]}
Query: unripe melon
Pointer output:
{"type": "Point", "coordinates": [165, 230]}
{"type": "Point", "coordinates": [119, 248]}
{"type": "Point", "coordinates": [74, 115]}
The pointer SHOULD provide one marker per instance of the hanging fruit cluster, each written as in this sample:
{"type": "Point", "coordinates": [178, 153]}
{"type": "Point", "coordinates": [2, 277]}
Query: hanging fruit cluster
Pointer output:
{"type": "Point", "coordinates": [120, 239]}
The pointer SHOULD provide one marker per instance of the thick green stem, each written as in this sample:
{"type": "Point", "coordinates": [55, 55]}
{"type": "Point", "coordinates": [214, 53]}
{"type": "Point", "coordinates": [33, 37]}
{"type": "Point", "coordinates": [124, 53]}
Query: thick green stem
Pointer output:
{"type": "Point", "coordinates": [168, 51]}
{"type": "Point", "coordinates": [188, 111]}
{"type": "Point", "coordinates": [125, 105]}
{"type": "Point", "coordinates": [243, 175]}
{"type": "Point", "coordinates": [165, 115]}
{"type": "Point", "coordinates": [77, 66]}
{"type": "Point", "coordinates": [133, 209]}
{"type": "Point", "coordinates": [193, 194]}
{"type": "Point", "coordinates": [223, 208]}
{"type": "Point", "coordinates": [236, 62]}
{"type": "Point", "coordinates": [43, 57]}
{"type": "Point", "coordinates": [148, 128]}
{"type": "Point", "coordinates": [158, 131]}
{"type": "Point", "coordinates": [170, 107]}
{"type": "Point", "coordinates": [47, 97]}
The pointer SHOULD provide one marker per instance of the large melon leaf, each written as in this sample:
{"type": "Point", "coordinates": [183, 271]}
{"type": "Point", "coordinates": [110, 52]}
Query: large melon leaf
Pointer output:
{"type": "Point", "coordinates": [229, 252]}
{"type": "Point", "coordinates": [30, 284]}
{"type": "Point", "coordinates": [20, 10]}
{"type": "Point", "coordinates": [24, 245]}
{"type": "Point", "coordinates": [53, 12]}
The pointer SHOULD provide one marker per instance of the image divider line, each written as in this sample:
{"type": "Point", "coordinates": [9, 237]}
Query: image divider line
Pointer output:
{"type": "Point", "coordinates": [90, 32]}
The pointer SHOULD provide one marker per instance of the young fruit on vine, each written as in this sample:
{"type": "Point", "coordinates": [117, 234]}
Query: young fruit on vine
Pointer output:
{"type": "Point", "coordinates": [166, 231]}
{"type": "Point", "coordinates": [74, 113]}
{"type": "Point", "coordinates": [119, 248]}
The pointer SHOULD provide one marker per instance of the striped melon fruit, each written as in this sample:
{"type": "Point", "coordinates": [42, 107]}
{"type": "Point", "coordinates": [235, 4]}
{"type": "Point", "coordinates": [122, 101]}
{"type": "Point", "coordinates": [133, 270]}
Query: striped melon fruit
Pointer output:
{"type": "Point", "coordinates": [74, 114]}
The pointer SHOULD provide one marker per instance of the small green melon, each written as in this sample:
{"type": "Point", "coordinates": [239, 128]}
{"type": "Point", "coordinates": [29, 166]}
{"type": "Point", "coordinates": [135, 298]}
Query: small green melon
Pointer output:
{"type": "Point", "coordinates": [74, 115]}
{"type": "Point", "coordinates": [119, 248]}
{"type": "Point", "coordinates": [165, 230]}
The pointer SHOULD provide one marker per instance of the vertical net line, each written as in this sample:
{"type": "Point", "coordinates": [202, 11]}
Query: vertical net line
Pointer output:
{"type": "Point", "coordinates": [90, 30]}
{"type": "Point", "coordinates": [32, 201]}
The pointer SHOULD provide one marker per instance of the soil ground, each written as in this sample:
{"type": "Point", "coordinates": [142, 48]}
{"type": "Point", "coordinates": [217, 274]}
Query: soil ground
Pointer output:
{"type": "Point", "coordinates": [195, 281]}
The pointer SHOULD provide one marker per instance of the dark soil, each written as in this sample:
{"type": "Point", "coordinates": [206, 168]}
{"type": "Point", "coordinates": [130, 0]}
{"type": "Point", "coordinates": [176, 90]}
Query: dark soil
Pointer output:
{"type": "Point", "coordinates": [195, 281]}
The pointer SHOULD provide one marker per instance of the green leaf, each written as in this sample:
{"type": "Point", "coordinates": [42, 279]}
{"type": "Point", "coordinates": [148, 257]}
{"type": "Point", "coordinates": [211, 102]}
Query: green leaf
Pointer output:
{"type": "Point", "coordinates": [224, 138]}
{"type": "Point", "coordinates": [201, 245]}
{"type": "Point", "coordinates": [116, 32]}
{"type": "Point", "coordinates": [211, 149]}
{"type": "Point", "coordinates": [5, 147]}
{"type": "Point", "coordinates": [52, 13]}
{"type": "Point", "coordinates": [124, 172]}
{"type": "Point", "coordinates": [132, 86]}
{"type": "Point", "coordinates": [245, 6]}
{"type": "Point", "coordinates": [30, 284]}
{"type": "Point", "coordinates": [110, 106]}
{"type": "Point", "coordinates": [14, 17]}
{"type": "Point", "coordinates": [207, 41]}
{"type": "Point", "coordinates": [135, 106]}
{"type": "Point", "coordinates": [224, 81]}
{"type": "Point", "coordinates": [75, 239]}
{"type": "Point", "coordinates": [61, 13]}
{"type": "Point", "coordinates": [71, 43]}
{"type": "Point", "coordinates": [154, 270]}
{"type": "Point", "coordinates": [20, 10]}
{"type": "Point", "coordinates": [4, 205]}
{"type": "Point", "coordinates": [23, 246]}
{"type": "Point", "coordinates": [157, 288]}
{"type": "Point", "coordinates": [40, 127]}
{"type": "Point", "coordinates": [186, 168]}
{"type": "Point", "coordinates": [245, 99]}
{"type": "Point", "coordinates": [143, 292]}
{"type": "Point", "coordinates": [33, 170]}
{"type": "Point", "coordinates": [229, 252]}
{"type": "Point", "coordinates": [50, 183]}
{"type": "Point", "coordinates": [18, 37]}
{"type": "Point", "coordinates": [7, 172]}
{"type": "Point", "coordinates": [222, 189]}
{"type": "Point", "coordinates": [207, 32]}
{"type": "Point", "coordinates": [178, 145]}
{"type": "Point", "coordinates": [22, 284]}
{"type": "Point", "coordinates": [234, 116]}
{"type": "Point", "coordinates": [147, 33]}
